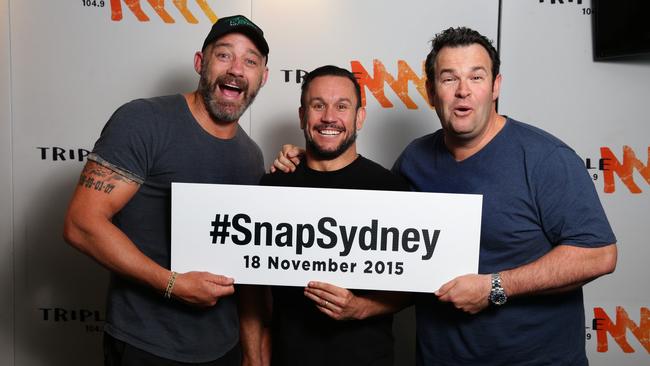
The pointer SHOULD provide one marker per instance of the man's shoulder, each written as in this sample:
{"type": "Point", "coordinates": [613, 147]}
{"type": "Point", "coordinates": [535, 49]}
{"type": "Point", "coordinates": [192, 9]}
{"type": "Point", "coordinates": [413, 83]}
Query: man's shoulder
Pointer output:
{"type": "Point", "coordinates": [418, 151]}
{"type": "Point", "coordinates": [161, 100]}
{"type": "Point", "coordinates": [534, 137]}
{"type": "Point", "coordinates": [425, 142]}
{"type": "Point", "coordinates": [146, 109]}
{"type": "Point", "coordinates": [371, 167]}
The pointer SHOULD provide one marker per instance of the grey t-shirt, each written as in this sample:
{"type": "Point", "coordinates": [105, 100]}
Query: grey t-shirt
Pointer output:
{"type": "Point", "coordinates": [155, 142]}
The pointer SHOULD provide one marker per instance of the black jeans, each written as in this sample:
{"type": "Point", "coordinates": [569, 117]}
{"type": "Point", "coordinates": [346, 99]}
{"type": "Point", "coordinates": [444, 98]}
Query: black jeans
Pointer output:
{"type": "Point", "coordinates": [118, 353]}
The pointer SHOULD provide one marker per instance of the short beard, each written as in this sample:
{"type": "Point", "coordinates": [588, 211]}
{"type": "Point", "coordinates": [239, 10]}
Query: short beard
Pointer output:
{"type": "Point", "coordinates": [321, 154]}
{"type": "Point", "coordinates": [219, 110]}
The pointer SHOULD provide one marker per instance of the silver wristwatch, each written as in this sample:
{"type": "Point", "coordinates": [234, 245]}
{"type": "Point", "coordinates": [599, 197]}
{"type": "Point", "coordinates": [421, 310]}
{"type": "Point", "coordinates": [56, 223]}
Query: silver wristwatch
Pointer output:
{"type": "Point", "coordinates": [497, 294]}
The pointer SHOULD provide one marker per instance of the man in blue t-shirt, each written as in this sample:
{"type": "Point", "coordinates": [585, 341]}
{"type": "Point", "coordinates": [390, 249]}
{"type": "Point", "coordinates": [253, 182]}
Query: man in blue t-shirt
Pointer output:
{"type": "Point", "coordinates": [544, 232]}
{"type": "Point", "coordinates": [543, 235]}
{"type": "Point", "coordinates": [119, 214]}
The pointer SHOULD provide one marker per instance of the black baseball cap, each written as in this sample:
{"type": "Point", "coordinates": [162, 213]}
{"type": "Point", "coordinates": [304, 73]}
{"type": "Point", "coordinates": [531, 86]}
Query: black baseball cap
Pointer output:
{"type": "Point", "coordinates": [237, 24]}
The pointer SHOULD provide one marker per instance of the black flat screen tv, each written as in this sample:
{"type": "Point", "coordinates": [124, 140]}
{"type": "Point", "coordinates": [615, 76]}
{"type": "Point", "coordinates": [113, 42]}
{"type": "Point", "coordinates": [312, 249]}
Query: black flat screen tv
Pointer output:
{"type": "Point", "coordinates": [620, 28]}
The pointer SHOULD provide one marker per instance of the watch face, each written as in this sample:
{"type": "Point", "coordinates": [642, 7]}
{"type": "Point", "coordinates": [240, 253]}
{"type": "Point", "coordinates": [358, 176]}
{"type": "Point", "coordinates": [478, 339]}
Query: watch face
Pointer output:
{"type": "Point", "coordinates": [498, 297]}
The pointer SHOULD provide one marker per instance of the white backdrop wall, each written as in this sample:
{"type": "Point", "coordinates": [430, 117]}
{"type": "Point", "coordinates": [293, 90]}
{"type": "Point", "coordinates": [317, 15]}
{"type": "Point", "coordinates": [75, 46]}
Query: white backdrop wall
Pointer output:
{"type": "Point", "coordinates": [72, 63]}
{"type": "Point", "coordinates": [6, 244]}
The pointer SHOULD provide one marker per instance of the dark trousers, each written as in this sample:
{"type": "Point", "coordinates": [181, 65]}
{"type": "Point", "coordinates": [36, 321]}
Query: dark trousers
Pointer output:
{"type": "Point", "coordinates": [118, 353]}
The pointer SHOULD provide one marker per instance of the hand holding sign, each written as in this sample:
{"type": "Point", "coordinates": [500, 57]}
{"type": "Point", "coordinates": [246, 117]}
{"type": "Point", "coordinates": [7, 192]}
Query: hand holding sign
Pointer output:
{"type": "Point", "coordinates": [202, 288]}
{"type": "Point", "coordinates": [336, 302]}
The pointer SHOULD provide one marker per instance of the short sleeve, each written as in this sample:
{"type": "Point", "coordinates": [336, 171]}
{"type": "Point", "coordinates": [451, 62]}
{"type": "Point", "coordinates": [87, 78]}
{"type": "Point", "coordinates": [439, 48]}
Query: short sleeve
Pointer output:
{"type": "Point", "coordinates": [126, 143]}
{"type": "Point", "coordinates": [569, 207]}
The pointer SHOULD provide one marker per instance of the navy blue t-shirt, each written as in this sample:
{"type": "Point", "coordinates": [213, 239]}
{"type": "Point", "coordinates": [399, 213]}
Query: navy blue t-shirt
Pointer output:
{"type": "Point", "coordinates": [537, 194]}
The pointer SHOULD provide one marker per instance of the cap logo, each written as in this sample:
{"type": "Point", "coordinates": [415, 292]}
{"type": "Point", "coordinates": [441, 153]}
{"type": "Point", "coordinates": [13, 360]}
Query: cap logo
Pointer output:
{"type": "Point", "coordinates": [242, 21]}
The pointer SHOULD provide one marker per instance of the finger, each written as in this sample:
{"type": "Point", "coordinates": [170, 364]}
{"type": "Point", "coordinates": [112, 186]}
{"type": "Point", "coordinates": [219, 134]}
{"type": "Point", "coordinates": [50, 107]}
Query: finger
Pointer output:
{"type": "Point", "coordinates": [327, 287]}
{"type": "Point", "coordinates": [295, 161]}
{"type": "Point", "coordinates": [289, 149]}
{"type": "Point", "coordinates": [315, 296]}
{"type": "Point", "coordinates": [444, 288]}
{"type": "Point", "coordinates": [319, 293]}
{"type": "Point", "coordinates": [277, 164]}
{"type": "Point", "coordinates": [221, 280]}
{"type": "Point", "coordinates": [288, 162]}
{"type": "Point", "coordinates": [221, 291]}
{"type": "Point", "coordinates": [327, 305]}
{"type": "Point", "coordinates": [294, 151]}
{"type": "Point", "coordinates": [323, 299]}
{"type": "Point", "coordinates": [327, 311]}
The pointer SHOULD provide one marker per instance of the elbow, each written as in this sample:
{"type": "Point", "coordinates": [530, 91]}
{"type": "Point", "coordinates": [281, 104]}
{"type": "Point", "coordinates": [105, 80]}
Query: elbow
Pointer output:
{"type": "Point", "coordinates": [611, 258]}
{"type": "Point", "coordinates": [73, 233]}
{"type": "Point", "coordinates": [608, 260]}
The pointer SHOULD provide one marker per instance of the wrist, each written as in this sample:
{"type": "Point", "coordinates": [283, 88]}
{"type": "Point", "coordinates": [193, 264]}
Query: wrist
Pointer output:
{"type": "Point", "coordinates": [361, 311]}
{"type": "Point", "coordinates": [497, 294]}
{"type": "Point", "coordinates": [170, 284]}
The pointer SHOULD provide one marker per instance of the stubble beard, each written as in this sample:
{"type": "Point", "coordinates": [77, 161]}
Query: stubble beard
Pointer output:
{"type": "Point", "coordinates": [322, 154]}
{"type": "Point", "coordinates": [221, 111]}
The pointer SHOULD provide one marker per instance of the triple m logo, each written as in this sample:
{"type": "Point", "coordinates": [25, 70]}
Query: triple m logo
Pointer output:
{"type": "Point", "coordinates": [158, 6]}
{"type": "Point", "coordinates": [617, 329]}
{"type": "Point", "coordinates": [610, 166]}
{"type": "Point", "coordinates": [376, 82]}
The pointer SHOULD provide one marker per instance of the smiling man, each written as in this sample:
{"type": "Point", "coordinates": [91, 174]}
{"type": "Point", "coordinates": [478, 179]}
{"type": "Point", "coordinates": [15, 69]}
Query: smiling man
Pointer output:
{"type": "Point", "coordinates": [324, 324]}
{"type": "Point", "coordinates": [119, 214]}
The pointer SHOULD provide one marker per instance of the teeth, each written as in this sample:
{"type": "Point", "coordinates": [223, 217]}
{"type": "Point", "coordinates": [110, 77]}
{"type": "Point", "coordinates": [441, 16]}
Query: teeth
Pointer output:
{"type": "Point", "coordinates": [329, 132]}
{"type": "Point", "coordinates": [230, 86]}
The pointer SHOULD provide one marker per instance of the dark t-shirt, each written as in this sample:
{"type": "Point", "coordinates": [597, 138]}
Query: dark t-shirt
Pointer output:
{"type": "Point", "coordinates": [537, 194]}
{"type": "Point", "coordinates": [155, 142]}
{"type": "Point", "coordinates": [302, 335]}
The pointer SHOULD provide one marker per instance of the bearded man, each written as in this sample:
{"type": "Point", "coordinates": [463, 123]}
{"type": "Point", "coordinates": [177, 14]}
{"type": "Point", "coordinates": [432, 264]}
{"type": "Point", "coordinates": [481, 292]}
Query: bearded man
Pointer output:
{"type": "Point", "coordinates": [119, 214]}
{"type": "Point", "coordinates": [324, 324]}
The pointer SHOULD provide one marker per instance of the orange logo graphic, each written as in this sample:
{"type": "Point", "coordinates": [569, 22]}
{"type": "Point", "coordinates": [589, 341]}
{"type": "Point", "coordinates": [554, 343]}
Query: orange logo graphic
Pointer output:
{"type": "Point", "coordinates": [400, 85]}
{"type": "Point", "coordinates": [159, 7]}
{"type": "Point", "coordinates": [604, 325]}
{"type": "Point", "coordinates": [624, 170]}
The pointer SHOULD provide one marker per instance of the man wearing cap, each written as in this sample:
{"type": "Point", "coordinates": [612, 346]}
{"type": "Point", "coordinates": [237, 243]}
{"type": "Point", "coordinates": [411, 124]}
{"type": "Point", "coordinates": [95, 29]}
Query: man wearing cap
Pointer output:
{"type": "Point", "coordinates": [119, 213]}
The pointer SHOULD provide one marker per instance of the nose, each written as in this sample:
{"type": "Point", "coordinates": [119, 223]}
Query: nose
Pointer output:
{"type": "Point", "coordinates": [236, 67]}
{"type": "Point", "coordinates": [329, 115]}
{"type": "Point", "coordinates": [463, 91]}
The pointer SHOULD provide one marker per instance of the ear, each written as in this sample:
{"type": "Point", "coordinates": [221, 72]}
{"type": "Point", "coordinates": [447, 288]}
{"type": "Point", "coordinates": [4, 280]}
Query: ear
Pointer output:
{"type": "Point", "coordinates": [361, 117]}
{"type": "Point", "coordinates": [496, 88]}
{"type": "Point", "coordinates": [430, 92]}
{"type": "Point", "coordinates": [265, 76]}
{"type": "Point", "coordinates": [198, 61]}
{"type": "Point", "coordinates": [301, 115]}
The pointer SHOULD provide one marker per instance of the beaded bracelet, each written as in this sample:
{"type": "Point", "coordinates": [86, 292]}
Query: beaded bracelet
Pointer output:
{"type": "Point", "coordinates": [170, 285]}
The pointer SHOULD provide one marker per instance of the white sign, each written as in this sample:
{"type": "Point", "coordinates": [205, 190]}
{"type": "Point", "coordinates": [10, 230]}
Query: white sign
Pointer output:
{"type": "Point", "coordinates": [358, 239]}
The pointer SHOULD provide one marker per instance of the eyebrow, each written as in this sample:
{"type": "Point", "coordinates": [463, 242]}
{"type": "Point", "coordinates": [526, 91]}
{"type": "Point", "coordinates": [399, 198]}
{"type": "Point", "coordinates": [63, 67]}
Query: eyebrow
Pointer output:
{"type": "Point", "coordinates": [319, 99]}
{"type": "Point", "coordinates": [475, 68]}
{"type": "Point", "coordinates": [230, 45]}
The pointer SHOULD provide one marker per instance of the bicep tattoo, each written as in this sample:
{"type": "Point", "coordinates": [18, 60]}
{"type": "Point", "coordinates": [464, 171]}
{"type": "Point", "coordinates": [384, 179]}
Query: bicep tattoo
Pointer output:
{"type": "Point", "coordinates": [101, 178]}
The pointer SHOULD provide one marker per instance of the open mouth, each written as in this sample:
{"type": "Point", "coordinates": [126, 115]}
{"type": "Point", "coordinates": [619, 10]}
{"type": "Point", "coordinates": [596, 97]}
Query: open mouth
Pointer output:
{"type": "Point", "coordinates": [231, 90]}
{"type": "Point", "coordinates": [462, 110]}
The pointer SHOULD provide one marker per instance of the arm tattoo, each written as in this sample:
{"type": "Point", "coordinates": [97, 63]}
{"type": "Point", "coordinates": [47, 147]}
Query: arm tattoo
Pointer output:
{"type": "Point", "coordinates": [101, 178]}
